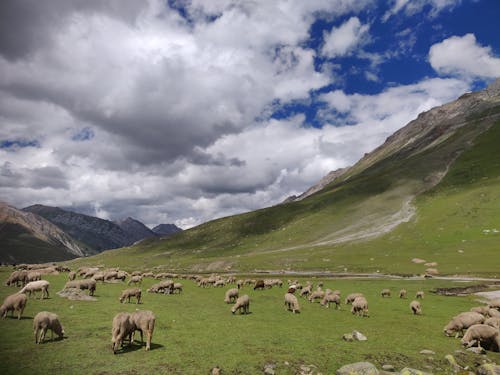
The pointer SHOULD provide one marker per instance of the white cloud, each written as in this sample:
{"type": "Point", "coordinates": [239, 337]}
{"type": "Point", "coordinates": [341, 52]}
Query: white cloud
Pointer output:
{"type": "Point", "coordinates": [464, 56]}
{"type": "Point", "coordinates": [343, 39]}
{"type": "Point", "coordinates": [411, 7]}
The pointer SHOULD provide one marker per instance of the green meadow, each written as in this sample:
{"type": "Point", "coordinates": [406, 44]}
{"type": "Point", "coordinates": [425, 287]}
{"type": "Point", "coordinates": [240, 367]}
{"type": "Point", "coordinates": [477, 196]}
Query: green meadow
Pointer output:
{"type": "Point", "coordinates": [196, 331]}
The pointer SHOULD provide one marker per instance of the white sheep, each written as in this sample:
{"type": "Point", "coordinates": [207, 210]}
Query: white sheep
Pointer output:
{"type": "Point", "coordinates": [43, 321]}
{"type": "Point", "coordinates": [385, 293]}
{"type": "Point", "coordinates": [122, 327]}
{"type": "Point", "coordinates": [129, 293]}
{"type": "Point", "coordinates": [331, 298]}
{"type": "Point", "coordinates": [420, 294]}
{"type": "Point", "coordinates": [360, 306]}
{"type": "Point", "coordinates": [242, 304]}
{"type": "Point", "coordinates": [483, 335]}
{"type": "Point", "coordinates": [231, 295]}
{"type": "Point", "coordinates": [14, 302]}
{"type": "Point", "coordinates": [402, 293]}
{"type": "Point", "coordinates": [144, 322]}
{"type": "Point", "coordinates": [35, 286]}
{"type": "Point", "coordinates": [291, 303]}
{"type": "Point", "coordinates": [137, 279]}
{"type": "Point", "coordinates": [463, 321]}
{"type": "Point", "coordinates": [416, 308]}
{"type": "Point", "coordinates": [351, 297]}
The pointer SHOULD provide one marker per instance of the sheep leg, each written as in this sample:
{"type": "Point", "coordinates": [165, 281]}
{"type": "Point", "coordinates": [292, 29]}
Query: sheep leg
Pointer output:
{"type": "Point", "coordinates": [35, 333]}
{"type": "Point", "coordinates": [42, 335]}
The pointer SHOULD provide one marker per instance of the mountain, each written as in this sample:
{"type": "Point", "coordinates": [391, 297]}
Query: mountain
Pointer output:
{"type": "Point", "coordinates": [27, 237]}
{"type": "Point", "coordinates": [430, 191]}
{"type": "Point", "coordinates": [135, 230]}
{"type": "Point", "coordinates": [166, 229]}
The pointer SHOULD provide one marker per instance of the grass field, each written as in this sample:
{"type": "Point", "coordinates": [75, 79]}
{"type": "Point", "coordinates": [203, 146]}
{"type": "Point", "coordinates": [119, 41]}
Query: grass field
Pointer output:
{"type": "Point", "coordinates": [196, 331]}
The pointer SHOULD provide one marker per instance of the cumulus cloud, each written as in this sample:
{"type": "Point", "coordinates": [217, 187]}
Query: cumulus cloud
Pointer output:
{"type": "Point", "coordinates": [464, 56]}
{"type": "Point", "coordinates": [343, 39]}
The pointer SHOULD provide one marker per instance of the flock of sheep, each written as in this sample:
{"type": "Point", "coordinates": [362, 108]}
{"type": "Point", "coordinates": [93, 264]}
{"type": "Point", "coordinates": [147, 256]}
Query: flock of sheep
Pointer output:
{"type": "Point", "coordinates": [482, 323]}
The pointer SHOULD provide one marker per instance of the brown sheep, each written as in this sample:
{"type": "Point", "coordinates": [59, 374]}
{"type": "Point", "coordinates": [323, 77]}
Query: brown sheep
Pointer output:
{"type": "Point", "coordinates": [416, 308]}
{"type": "Point", "coordinates": [123, 327]}
{"type": "Point", "coordinates": [385, 293]}
{"type": "Point", "coordinates": [43, 321]}
{"type": "Point", "coordinates": [129, 293]}
{"type": "Point", "coordinates": [14, 302]}
{"type": "Point", "coordinates": [35, 286]}
{"type": "Point", "coordinates": [231, 295]}
{"type": "Point", "coordinates": [360, 306]}
{"type": "Point", "coordinates": [291, 303]}
{"type": "Point", "coordinates": [420, 294]}
{"type": "Point", "coordinates": [331, 298]}
{"type": "Point", "coordinates": [483, 335]}
{"type": "Point", "coordinates": [462, 321]}
{"type": "Point", "coordinates": [144, 322]}
{"type": "Point", "coordinates": [259, 284]}
{"type": "Point", "coordinates": [242, 304]}
{"type": "Point", "coordinates": [402, 293]}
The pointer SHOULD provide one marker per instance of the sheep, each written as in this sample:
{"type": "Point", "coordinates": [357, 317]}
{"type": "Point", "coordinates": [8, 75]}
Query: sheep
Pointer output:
{"type": "Point", "coordinates": [177, 287]}
{"type": "Point", "coordinates": [43, 321]}
{"type": "Point", "coordinates": [482, 335]}
{"type": "Point", "coordinates": [317, 294]}
{"type": "Point", "coordinates": [14, 302]}
{"type": "Point", "coordinates": [35, 286]}
{"type": "Point", "coordinates": [462, 321]}
{"type": "Point", "coordinates": [481, 310]}
{"type": "Point", "coordinates": [494, 321]}
{"type": "Point", "coordinates": [89, 284]}
{"type": "Point", "coordinates": [242, 304]}
{"type": "Point", "coordinates": [259, 284]}
{"type": "Point", "coordinates": [419, 294]}
{"type": "Point", "coordinates": [495, 304]}
{"type": "Point", "coordinates": [110, 275]}
{"type": "Point", "coordinates": [291, 303]}
{"type": "Point", "coordinates": [136, 273]}
{"type": "Point", "coordinates": [385, 293]}
{"type": "Point", "coordinates": [122, 327]}
{"type": "Point", "coordinates": [148, 274]}
{"type": "Point", "coordinates": [33, 276]}
{"type": "Point", "coordinates": [162, 287]}
{"type": "Point", "coordinates": [72, 276]}
{"type": "Point", "coordinates": [121, 275]}
{"type": "Point", "coordinates": [402, 293]}
{"type": "Point", "coordinates": [144, 322]}
{"type": "Point", "coordinates": [99, 276]}
{"type": "Point", "coordinates": [360, 306]}
{"type": "Point", "coordinates": [219, 283]}
{"type": "Point", "coordinates": [416, 308]}
{"type": "Point", "coordinates": [239, 284]}
{"type": "Point", "coordinates": [137, 279]}
{"type": "Point", "coordinates": [493, 313]}
{"type": "Point", "coordinates": [17, 277]}
{"type": "Point", "coordinates": [231, 295]}
{"type": "Point", "coordinates": [129, 293]}
{"type": "Point", "coordinates": [351, 297]}
{"type": "Point", "coordinates": [331, 298]}
{"type": "Point", "coordinates": [305, 291]}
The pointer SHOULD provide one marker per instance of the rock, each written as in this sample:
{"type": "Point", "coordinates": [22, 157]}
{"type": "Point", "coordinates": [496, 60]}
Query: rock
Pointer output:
{"type": "Point", "coordinates": [412, 371]}
{"type": "Point", "coordinates": [348, 337]}
{"type": "Point", "coordinates": [269, 369]}
{"type": "Point", "coordinates": [215, 370]}
{"type": "Point", "coordinates": [476, 350]}
{"type": "Point", "coordinates": [453, 363]}
{"type": "Point", "coordinates": [488, 369]}
{"type": "Point", "coordinates": [418, 260]}
{"type": "Point", "coordinates": [388, 368]}
{"type": "Point", "coordinates": [358, 368]}
{"type": "Point", "coordinates": [427, 352]}
{"type": "Point", "coordinates": [359, 336]}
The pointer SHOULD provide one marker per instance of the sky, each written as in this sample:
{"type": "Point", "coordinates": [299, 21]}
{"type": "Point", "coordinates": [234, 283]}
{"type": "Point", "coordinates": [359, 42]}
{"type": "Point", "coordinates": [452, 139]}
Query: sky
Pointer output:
{"type": "Point", "coordinates": [184, 111]}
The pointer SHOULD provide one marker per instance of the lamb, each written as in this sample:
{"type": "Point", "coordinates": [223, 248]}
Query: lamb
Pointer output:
{"type": "Point", "coordinates": [462, 321]}
{"type": "Point", "coordinates": [17, 277]}
{"type": "Point", "coordinates": [318, 294]}
{"type": "Point", "coordinates": [137, 279]}
{"type": "Point", "coordinates": [494, 321]}
{"type": "Point", "coordinates": [351, 297]}
{"type": "Point", "coordinates": [242, 304]}
{"type": "Point", "coordinates": [419, 294]}
{"type": "Point", "coordinates": [144, 322]}
{"type": "Point", "coordinates": [14, 302]}
{"type": "Point", "coordinates": [43, 321]}
{"type": "Point", "coordinates": [402, 293]}
{"type": "Point", "coordinates": [385, 293]}
{"type": "Point", "coordinates": [360, 306]}
{"type": "Point", "coordinates": [231, 295]}
{"type": "Point", "coordinates": [291, 303]}
{"type": "Point", "coordinates": [331, 298]}
{"type": "Point", "coordinates": [259, 284]}
{"type": "Point", "coordinates": [122, 327]}
{"type": "Point", "coordinates": [482, 335]}
{"type": "Point", "coordinates": [35, 286]}
{"type": "Point", "coordinates": [89, 284]}
{"type": "Point", "coordinates": [416, 308]}
{"type": "Point", "coordinates": [129, 293]}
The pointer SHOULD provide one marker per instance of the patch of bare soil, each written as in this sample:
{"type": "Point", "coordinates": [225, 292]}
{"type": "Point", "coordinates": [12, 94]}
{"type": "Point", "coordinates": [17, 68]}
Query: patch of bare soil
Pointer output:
{"type": "Point", "coordinates": [462, 291]}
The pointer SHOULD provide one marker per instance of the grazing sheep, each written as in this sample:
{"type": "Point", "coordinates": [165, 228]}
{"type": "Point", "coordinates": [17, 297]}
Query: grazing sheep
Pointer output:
{"type": "Point", "coordinates": [483, 335]}
{"type": "Point", "coordinates": [239, 284]}
{"type": "Point", "coordinates": [136, 273]}
{"type": "Point", "coordinates": [419, 294]}
{"type": "Point", "coordinates": [231, 295]}
{"type": "Point", "coordinates": [35, 286]}
{"type": "Point", "coordinates": [137, 279]}
{"type": "Point", "coordinates": [462, 321]}
{"type": "Point", "coordinates": [259, 284]}
{"type": "Point", "coordinates": [317, 294]}
{"type": "Point", "coordinates": [385, 293]}
{"type": "Point", "coordinates": [72, 276]}
{"type": "Point", "coordinates": [129, 293]}
{"type": "Point", "coordinates": [291, 303]}
{"type": "Point", "coordinates": [34, 276]}
{"type": "Point", "coordinates": [177, 287]}
{"type": "Point", "coordinates": [495, 304]}
{"type": "Point", "coordinates": [493, 313]}
{"type": "Point", "coordinates": [17, 277]}
{"type": "Point", "coordinates": [351, 297]}
{"type": "Point", "coordinates": [402, 293]}
{"type": "Point", "coordinates": [360, 306]}
{"type": "Point", "coordinates": [99, 276]}
{"type": "Point", "coordinates": [148, 274]}
{"type": "Point", "coordinates": [416, 308]}
{"type": "Point", "coordinates": [164, 286]}
{"type": "Point", "coordinates": [242, 304]}
{"type": "Point", "coordinates": [481, 310]}
{"type": "Point", "coordinates": [110, 275]}
{"type": "Point", "coordinates": [122, 327]}
{"type": "Point", "coordinates": [89, 284]}
{"type": "Point", "coordinates": [144, 322]}
{"type": "Point", "coordinates": [331, 298]}
{"type": "Point", "coordinates": [305, 291]}
{"type": "Point", "coordinates": [43, 321]}
{"type": "Point", "coordinates": [494, 321]}
{"type": "Point", "coordinates": [219, 283]}
{"type": "Point", "coordinates": [14, 302]}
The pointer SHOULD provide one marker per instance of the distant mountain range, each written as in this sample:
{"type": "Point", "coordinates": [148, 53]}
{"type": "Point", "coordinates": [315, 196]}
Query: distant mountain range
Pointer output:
{"type": "Point", "coordinates": [41, 233]}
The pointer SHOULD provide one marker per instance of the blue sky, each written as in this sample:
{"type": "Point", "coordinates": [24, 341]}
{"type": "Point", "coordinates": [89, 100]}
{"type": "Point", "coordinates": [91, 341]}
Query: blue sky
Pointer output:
{"type": "Point", "coordinates": [185, 111]}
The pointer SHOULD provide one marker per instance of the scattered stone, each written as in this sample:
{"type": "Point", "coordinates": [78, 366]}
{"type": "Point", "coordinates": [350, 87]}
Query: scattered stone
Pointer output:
{"type": "Point", "coordinates": [418, 260]}
{"type": "Point", "coordinates": [75, 294]}
{"type": "Point", "coordinates": [432, 271]}
{"type": "Point", "coordinates": [308, 370]}
{"type": "Point", "coordinates": [269, 369]}
{"type": "Point", "coordinates": [358, 368]}
{"type": "Point", "coordinates": [358, 336]}
{"type": "Point", "coordinates": [388, 368]}
{"type": "Point", "coordinates": [427, 352]}
{"type": "Point", "coordinates": [488, 369]}
{"type": "Point", "coordinates": [348, 337]}
{"type": "Point", "coordinates": [431, 264]}
{"type": "Point", "coordinates": [453, 362]}
{"type": "Point", "coordinates": [476, 350]}
{"type": "Point", "coordinates": [412, 371]}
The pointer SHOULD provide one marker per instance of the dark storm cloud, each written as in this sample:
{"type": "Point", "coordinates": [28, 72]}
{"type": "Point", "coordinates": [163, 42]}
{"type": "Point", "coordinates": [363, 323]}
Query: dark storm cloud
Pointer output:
{"type": "Point", "coordinates": [35, 178]}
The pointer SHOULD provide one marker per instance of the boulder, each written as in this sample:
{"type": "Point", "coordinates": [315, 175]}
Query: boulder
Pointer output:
{"type": "Point", "coordinates": [412, 371]}
{"type": "Point", "coordinates": [358, 368]}
{"type": "Point", "coordinates": [488, 369]}
{"type": "Point", "coordinates": [358, 336]}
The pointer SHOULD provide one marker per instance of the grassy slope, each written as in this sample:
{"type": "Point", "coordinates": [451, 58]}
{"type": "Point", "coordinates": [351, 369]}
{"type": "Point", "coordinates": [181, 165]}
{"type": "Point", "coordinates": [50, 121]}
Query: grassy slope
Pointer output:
{"type": "Point", "coordinates": [449, 218]}
{"type": "Point", "coordinates": [195, 331]}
